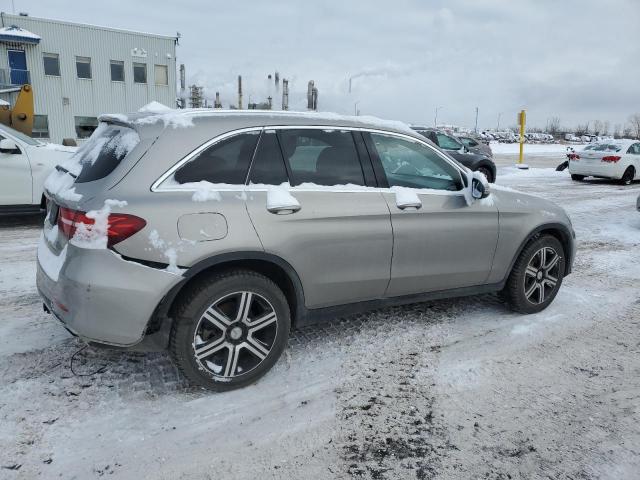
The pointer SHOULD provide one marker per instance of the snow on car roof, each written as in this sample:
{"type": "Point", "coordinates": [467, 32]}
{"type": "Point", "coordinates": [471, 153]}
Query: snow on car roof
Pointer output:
{"type": "Point", "coordinates": [152, 114]}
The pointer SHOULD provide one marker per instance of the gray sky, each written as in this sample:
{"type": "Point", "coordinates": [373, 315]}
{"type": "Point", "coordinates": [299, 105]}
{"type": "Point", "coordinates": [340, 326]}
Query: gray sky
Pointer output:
{"type": "Point", "coordinates": [578, 60]}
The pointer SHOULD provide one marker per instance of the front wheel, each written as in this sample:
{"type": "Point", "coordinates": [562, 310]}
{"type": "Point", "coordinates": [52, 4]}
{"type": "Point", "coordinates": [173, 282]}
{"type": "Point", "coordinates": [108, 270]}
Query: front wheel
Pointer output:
{"type": "Point", "coordinates": [536, 276]}
{"type": "Point", "coordinates": [229, 330]}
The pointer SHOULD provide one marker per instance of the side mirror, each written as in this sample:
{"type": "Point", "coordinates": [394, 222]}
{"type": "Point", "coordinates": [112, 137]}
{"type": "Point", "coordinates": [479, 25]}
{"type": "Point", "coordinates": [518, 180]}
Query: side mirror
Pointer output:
{"type": "Point", "coordinates": [8, 146]}
{"type": "Point", "coordinates": [479, 186]}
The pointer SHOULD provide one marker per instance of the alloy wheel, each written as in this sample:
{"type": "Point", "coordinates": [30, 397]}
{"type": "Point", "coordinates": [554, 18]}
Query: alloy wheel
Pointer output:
{"type": "Point", "coordinates": [541, 275]}
{"type": "Point", "coordinates": [235, 334]}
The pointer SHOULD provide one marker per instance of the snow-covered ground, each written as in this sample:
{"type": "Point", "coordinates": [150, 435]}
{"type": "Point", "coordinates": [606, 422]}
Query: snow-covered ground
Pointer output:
{"type": "Point", "coordinates": [531, 149]}
{"type": "Point", "coordinates": [460, 388]}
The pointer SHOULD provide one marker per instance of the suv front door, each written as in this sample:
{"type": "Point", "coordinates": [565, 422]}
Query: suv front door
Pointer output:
{"type": "Point", "coordinates": [15, 181]}
{"type": "Point", "coordinates": [331, 225]}
{"type": "Point", "coordinates": [440, 242]}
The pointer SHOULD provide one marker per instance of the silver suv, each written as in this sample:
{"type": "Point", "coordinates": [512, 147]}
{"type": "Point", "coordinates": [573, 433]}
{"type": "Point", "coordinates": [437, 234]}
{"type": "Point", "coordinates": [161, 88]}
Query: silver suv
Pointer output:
{"type": "Point", "coordinates": [212, 233]}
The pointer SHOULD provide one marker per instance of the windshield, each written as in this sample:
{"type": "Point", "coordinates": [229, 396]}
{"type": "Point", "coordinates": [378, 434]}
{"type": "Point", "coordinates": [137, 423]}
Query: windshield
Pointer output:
{"type": "Point", "coordinates": [18, 135]}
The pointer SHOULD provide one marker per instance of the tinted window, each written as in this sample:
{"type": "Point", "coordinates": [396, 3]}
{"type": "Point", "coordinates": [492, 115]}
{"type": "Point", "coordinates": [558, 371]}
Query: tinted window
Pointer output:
{"type": "Point", "coordinates": [448, 143]}
{"type": "Point", "coordinates": [224, 162]}
{"type": "Point", "coordinates": [104, 151]}
{"type": "Point", "coordinates": [51, 64]}
{"type": "Point", "coordinates": [323, 157]}
{"type": "Point", "coordinates": [117, 71]}
{"type": "Point", "coordinates": [411, 164]}
{"type": "Point", "coordinates": [83, 67]}
{"type": "Point", "coordinates": [268, 165]}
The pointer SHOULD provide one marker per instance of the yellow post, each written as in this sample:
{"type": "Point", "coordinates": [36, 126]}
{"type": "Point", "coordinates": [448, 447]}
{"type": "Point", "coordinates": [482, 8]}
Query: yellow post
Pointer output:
{"type": "Point", "coordinates": [522, 119]}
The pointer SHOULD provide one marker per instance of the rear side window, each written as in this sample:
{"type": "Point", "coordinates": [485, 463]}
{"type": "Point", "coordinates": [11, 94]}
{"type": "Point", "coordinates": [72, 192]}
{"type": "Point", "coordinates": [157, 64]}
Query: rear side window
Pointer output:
{"type": "Point", "coordinates": [268, 165]}
{"type": "Point", "coordinates": [448, 143]}
{"type": "Point", "coordinates": [103, 152]}
{"type": "Point", "coordinates": [224, 162]}
{"type": "Point", "coordinates": [322, 157]}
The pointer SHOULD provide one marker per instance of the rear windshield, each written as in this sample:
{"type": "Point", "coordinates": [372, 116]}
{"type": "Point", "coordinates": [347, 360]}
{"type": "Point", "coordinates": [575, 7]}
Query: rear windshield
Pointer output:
{"type": "Point", "coordinates": [102, 153]}
{"type": "Point", "coordinates": [604, 147]}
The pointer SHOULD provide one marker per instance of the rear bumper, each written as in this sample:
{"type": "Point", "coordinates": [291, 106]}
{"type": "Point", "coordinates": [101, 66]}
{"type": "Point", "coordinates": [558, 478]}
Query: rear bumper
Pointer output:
{"type": "Point", "coordinates": [597, 169]}
{"type": "Point", "coordinates": [99, 296]}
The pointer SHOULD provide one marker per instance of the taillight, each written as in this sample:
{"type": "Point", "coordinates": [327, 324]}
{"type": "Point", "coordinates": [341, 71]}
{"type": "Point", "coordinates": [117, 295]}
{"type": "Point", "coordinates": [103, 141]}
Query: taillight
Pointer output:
{"type": "Point", "coordinates": [120, 226]}
{"type": "Point", "coordinates": [573, 156]}
{"type": "Point", "coordinates": [611, 158]}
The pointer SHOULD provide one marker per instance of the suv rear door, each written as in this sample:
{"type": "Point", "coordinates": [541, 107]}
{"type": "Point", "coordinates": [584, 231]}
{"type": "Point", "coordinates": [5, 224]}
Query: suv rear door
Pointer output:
{"type": "Point", "coordinates": [440, 242]}
{"type": "Point", "coordinates": [332, 225]}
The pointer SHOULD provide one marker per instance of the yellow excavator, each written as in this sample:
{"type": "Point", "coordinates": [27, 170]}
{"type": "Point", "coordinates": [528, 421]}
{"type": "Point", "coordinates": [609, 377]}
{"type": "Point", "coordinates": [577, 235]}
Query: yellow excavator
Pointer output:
{"type": "Point", "coordinates": [20, 117]}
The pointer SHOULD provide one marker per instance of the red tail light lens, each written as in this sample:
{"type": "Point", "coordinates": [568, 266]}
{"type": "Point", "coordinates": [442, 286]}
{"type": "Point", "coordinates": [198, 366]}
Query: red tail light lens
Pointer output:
{"type": "Point", "coordinates": [120, 226]}
{"type": "Point", "coordinates": [611, 158]}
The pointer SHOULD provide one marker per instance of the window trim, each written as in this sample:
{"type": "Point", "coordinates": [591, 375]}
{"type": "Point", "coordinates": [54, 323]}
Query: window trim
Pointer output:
{"type": "Point", "coordinates": [146, 73]}
{"type": "Point", "coordinates": [157, 187]}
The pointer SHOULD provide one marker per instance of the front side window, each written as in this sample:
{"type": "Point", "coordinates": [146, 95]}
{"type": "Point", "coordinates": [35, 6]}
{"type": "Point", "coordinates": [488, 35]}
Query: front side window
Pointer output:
{"type": "Point", "coordinates": [83, 67]}
{"type": "Point", "coordinates": [51, 64]}
{"type": "Point", "coordinates": [140, 72]}
{"type": "Point", "coordinates": [410, 164]}
{"type": "Point", "coordinates": [85, 126]}
{"type": "Point", "coordinates": [40, 126]}
{"type": "Point", "coordinates": [322, 157]}
{"type": "Point", "coordinates": [469, 142]}
{"type": "Point", "coordinates": [117, 71]}
{"type": "Point", "coordinates": [224, 162]}
{"type": "Point", "coordinates": [447, 143]}
{"type": "Point", "coordinates": [161, 74]}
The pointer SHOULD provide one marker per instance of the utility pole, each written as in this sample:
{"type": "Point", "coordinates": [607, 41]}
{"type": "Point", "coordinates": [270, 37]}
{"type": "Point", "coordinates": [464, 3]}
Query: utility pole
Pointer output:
{"type": "Point", "coordinates": [435, 119]}
{"type": "Point", "coordinates": [285, 94]}
{"type": "Point", "coordinates": [355, 108]}
{"type": "Point", "coordinates": [239, 92]}
{"type": "Point", "coordinates": [498, 127]}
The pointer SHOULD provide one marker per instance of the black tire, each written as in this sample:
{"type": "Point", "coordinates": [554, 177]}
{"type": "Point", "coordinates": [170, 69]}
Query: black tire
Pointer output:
{"type": "Point", "coordinates": [521, 279]}
{"type": "Point", "coordinates": [223, 290]}
{"type": "Point", "coordinates": [577, 178]}
{"type": "Point", "coordinates": [627, 176]}
{"type": "Point", "coordinates": [486, 171]}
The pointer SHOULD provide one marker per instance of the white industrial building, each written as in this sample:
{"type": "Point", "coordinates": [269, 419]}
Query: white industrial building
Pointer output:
{"type": "Point", "coordinates": [81, 71]}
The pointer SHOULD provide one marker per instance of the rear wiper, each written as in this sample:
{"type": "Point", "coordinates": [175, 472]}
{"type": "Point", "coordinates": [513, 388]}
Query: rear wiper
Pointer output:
{"type": "Point", "coordinates": [60, 168]}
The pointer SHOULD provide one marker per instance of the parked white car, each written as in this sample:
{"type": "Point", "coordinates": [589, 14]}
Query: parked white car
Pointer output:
{"type": "Point", "coordinates": [25, 163]}
{"type": "Point", "coordinates": [615, 159]}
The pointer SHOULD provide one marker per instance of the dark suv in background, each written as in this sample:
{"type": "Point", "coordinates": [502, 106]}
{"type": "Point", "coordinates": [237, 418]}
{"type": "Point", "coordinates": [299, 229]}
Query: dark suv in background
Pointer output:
{"type": "Point", "coordinates": [479, 162]}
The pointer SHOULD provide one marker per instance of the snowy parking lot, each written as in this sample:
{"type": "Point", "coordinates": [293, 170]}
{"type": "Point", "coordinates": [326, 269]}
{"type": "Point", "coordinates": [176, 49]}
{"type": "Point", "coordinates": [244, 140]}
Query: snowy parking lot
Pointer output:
{"type": "Point", "coordinates": [460, 388]}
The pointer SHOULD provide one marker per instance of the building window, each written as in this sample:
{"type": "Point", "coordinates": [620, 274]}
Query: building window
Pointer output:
{"type": "Point", "coordinates": [51, 64]}
{"type": "Point", "coordinates": [83, 67]}
{"type": "Point", "coordinates": [40, 126]}
{"type": "Point", "coordinates": [117, 71]}
{"type": "Point", "coordinates": [85, 126]}
{"type": "Point", "coordinates": [162, 75]}
{"type": "Point", "coordinates": [140, 72]}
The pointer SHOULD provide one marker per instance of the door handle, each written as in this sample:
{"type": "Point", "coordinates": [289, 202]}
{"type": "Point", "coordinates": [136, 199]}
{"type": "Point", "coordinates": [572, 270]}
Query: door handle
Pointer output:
{"type": "Point", "coordinates": [284, 209]}
{"type": "Point", "coordinates": [409, 205]}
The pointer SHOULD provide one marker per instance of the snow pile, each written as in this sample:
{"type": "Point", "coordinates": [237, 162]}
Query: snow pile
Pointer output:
{"type": "Point", "coordinates": [279, 197]}
{"type": "Point", "coordinates": [117, 116]}
{"type": "Point", "coordinates": [170, 118]}
{"type": "Point", "coordinates": [96, 235]}
{"type": "Point", "coordinates": [60, 184]}
{"type": "Point", "coordinates": [59, 148]}
{"type": "Point", "coordinates": [155, 107]}
{"type": "Point", "coordinates": [50, 263]}
{"type": "Point", "coordinates": [529, 148]}
{"type": "Point", "coordinates": [14, 32]}
{"type": "Point", "coordinates": [205, 191]}
{"type": "Point", "coordinates": [170, 253]}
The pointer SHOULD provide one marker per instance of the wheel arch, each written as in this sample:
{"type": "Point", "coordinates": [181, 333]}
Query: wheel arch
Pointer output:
{"type": "Point", "coordinates": [271, 266]}
{"type": "Point", "coordinates": [560, 232]}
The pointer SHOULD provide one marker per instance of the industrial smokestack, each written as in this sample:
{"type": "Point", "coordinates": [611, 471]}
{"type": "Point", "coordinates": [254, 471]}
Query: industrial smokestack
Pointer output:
{"type": "Point", "coordinates": [182, 77]}
{"type": "Point", "coordinates": [314, 99]}
{"type": "Point", "coordinates": [270, 102]}
{"type": "Point", "coordinates": [217, 103]}
{"type": "Point", "coordinates": [310, 95]}
{"type": "Point", "coordinates": [285, 94]}
{"type": "Point", "coordinates": [277, 81]}
{"type": "Point", "coordinates": [239, 92]}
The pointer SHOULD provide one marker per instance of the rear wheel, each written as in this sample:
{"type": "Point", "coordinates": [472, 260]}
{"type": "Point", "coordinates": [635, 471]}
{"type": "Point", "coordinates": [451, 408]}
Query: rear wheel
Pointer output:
{"type": "Point", "coordinates": [486, 171]}
{"type": "Point", "coordinates": [577, 178]}
{"type": "Point", "coordinates": [229, 330]}
{"type": "Point", "coordinates": [536, 276]}
{"type": "Point", "coordinates": [627, 176]}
